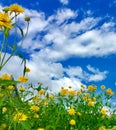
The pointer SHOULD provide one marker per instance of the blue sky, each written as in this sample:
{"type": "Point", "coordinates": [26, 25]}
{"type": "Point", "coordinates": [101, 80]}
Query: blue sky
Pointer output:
{"type": "Point", "coordinates": [70, 42]}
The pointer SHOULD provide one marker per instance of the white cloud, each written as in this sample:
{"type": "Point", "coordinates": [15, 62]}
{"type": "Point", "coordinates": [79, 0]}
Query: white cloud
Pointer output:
{"type": "Point", "coordinates": [94, 74]}
{"type": "Point", "coordinates": [65, 2]}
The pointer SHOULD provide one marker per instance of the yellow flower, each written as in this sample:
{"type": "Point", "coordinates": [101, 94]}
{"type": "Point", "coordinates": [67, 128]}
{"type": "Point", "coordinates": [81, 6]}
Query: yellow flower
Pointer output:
{"type": "Point", "coordinates": [72, 93]}
{"type": "Point", "coordinates": [71, 111]}
{"type": "Point", "coordinates": [51, 97]}
{"type": "Point", "coordinates": [36, 116]}
{"type": "Point", "coordinates": [5, 21]}
{"type": "Point", "coordinates": [11, 87]}
{"type": "Point", "coordinates": [79, 92]}
{"type": "Point", "coordinates": [91, 103]}
{"type": "Point", "coordinates": [91, 88]}
{"type": "Point", "coordinates": [20, 117]}
{"type": "Point", "coordinates": [72, 122]}
{"type": "Point", "coordinates": [109, 92]}
{"type": "Point", "coordinates": [103, 111]}
{"type": "Point", "coordinates": [78, 113]}
{"type": "Point", "coordinates": [22, 89]}
{"type": "Point", "coordinates": [41, 92]}
{"type": "Point", "coordinates": [40, 129]}
{"type": "Point", "coordinates": [6, 77]}
{"type": "Point", "coordinates": [64, 91]}
{"type": "Point", "coordinates": [16, 8]}
{"type": "Point", "coordinates": [22, 79]}
{"type": "Point", "coordinates": [27, 70]}
{"type": "Point", "coordinates": [102, 128]}
{"type": "Point", "coordinates": [102, 87]}
{"type": "Point", "coordinates": [4, 109]}
{"type": "Point", "coordinates": [34, 108]}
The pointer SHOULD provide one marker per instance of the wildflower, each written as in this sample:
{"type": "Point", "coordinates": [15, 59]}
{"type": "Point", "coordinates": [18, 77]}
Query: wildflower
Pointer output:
{"type": "Point", "coordinates": [72, 122]}
{"type": "Point", "coordinates": [91, 88]}
{"type": "Point", "coordinates": [40, 129]}
{"type": "Point", "coordinates": [103, 111]}
{"type": "Point", "coordinates": [27, 19]}
{"type": "Point", "coordinates": [5, 21]}
{"type": "Point", "coordinates": [102, 87]}
{"type": "Point", "coordinates": [20, 117]}
{"type": "Point", "coordinates": [5, 77]}
{"type": "Point", "coordinates": [41, 92]}
{"type": "Point", "coordinates": [11, 87]}
{"type": "Point", "coordinates": [102, 128]}
{"type": "Point", "coordinates": [27, 70]}
{"type": "Point", "coordinates": [109, 92]}
{"type": "Point", "coordinates": [71, 111]}
{"type": "Point", "coordinates": [51, 97]}
{"type": "Point", "coordinates": [36, 116]}
{"type": "Point", "coordinates": [71, 93]}
{"type": "Point", "coordinates": [16, 9]}
{"type": "Point", "coordinates": [91, 103]}
{"type": "Point", "coordinates": [79, 92]}
{"type": "Point", "coordinates": [22, 79]}
{"type": "Point", "coordinates": [34, 108]}
{"type": "Point", "coordinates": [22, 89]}
{"type": "Point", "coordinates": [78, 113]}
{"type": "Point", "coordinates": [64, 91]}
{"type": "Point", "coordinates": [4, 109]}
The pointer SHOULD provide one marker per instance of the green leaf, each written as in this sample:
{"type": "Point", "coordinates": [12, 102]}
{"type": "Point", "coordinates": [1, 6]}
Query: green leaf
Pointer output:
{"type": "Point", "coordinates": [7, 82]}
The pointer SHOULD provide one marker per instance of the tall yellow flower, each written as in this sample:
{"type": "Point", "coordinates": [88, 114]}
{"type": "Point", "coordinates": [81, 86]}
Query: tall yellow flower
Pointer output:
{"type": "Point", "coordinates": [5, 21]}
{"type": "Point", "coordinates": [22, 79]}
{"type": "Point", "coordinates": [20, 117]}
{"type": "Point", "coordinates": [109, 92]}
{"type": "Point", "coordinates": [91, 88]}
{"type": "Point", "coordinates": [102, 87]}
{"type": "Point", "coordinates": [16, 8]}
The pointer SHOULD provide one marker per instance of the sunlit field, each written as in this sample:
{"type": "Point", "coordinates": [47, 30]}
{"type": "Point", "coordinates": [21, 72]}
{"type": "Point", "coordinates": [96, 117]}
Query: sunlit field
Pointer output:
{"type": "Point", "coordinates": [24, 106]}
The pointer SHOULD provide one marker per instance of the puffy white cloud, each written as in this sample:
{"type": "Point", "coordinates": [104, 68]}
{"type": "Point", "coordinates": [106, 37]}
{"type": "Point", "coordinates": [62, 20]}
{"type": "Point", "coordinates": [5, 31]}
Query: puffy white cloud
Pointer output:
{"type": "Point", "coordinates": [93, 74]}
{"type": "Point", "coordinates": [65, 2]}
